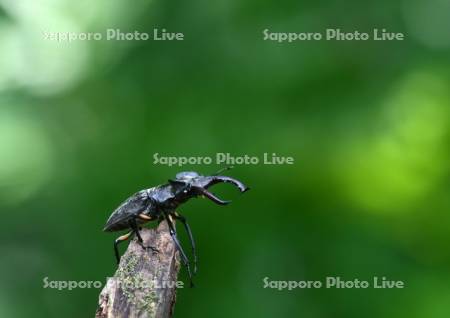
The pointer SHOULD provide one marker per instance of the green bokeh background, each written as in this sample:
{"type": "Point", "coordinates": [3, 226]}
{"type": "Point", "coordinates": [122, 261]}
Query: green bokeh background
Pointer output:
{"type": "Point", "coordinates": [366, 121]}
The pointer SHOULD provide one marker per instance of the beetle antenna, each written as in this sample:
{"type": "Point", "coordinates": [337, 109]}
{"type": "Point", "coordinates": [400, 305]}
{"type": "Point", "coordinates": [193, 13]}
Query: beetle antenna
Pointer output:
{"type": "Point", "coordinates": [222, 170]}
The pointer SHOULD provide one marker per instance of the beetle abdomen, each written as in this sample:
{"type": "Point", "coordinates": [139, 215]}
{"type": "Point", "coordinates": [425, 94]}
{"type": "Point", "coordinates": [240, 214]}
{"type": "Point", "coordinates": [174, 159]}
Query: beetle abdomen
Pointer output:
{"type": "Point", "coordinates": [116, 226]}
{"type": "Point", "coordinates": [120, 218]}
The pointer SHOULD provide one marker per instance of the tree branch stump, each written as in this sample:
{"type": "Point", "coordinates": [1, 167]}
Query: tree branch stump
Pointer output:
{"type": "Point", "coordinates": [145, 282]}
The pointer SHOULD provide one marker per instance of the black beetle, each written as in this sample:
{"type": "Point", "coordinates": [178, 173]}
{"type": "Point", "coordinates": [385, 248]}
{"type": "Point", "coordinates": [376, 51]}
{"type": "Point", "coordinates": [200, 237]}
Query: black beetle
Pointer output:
{"type": "Point", "coordinates": [160, 202]}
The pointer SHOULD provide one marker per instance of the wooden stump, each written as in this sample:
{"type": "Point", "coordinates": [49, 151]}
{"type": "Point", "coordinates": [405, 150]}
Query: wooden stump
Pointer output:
{"type": "Point", "coordinates": [145, 282]}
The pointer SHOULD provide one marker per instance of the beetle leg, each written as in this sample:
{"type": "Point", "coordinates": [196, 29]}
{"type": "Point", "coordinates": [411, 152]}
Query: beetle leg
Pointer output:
{"type": "Point", "coordinates": [183, 220]}
{"type": "Point", "coordinates": [184, 258]}
{"type": "Point", "coordinates": [116, 243]}
{"type": "Point", "coordinates": [144, 217]}
{"type": "Point", "coordinates": [135, 229]}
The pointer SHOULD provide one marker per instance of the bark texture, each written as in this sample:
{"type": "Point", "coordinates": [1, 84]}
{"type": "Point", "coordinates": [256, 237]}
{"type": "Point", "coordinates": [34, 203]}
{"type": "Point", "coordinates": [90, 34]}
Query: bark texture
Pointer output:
{"type": "Point", "coordinates": [144, 284]}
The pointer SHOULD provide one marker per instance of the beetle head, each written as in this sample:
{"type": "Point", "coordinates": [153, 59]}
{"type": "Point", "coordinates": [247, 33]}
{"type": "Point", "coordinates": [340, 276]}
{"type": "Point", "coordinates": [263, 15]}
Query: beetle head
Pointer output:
{"type": "Point", "coordinates": [191, 184]}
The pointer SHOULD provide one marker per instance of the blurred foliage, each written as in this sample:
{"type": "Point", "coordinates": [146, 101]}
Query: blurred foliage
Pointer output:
{"type": "Point", "coordinates": [367, 123]}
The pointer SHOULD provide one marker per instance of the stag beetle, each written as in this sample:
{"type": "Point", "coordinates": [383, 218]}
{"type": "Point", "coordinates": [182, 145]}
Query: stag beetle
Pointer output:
{"type": "Point", "coordinates": [160, 202]}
